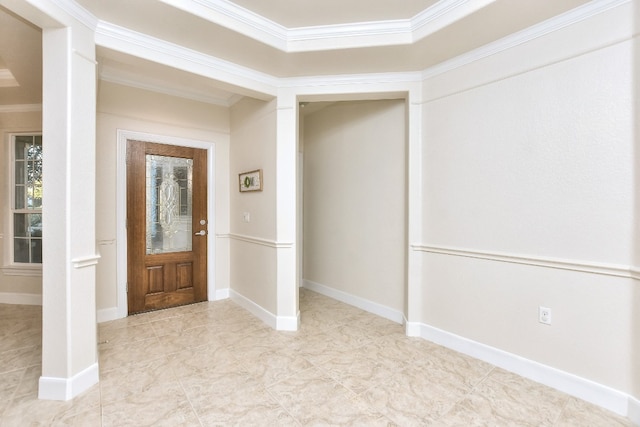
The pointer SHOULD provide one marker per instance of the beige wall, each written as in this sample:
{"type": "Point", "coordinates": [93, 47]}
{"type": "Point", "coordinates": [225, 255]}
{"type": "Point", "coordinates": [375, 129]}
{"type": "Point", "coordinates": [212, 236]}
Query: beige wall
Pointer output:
{"type": "Point", "coordinates": [528, 201]}
{"type": "Point", "coordinates": [130, 109]}
{"type": "Point", "coordinates": [10, 285]}
{"type": "Point", "coordinates": [530, 175]}
{"type": "Point", "coordinates": [355, 200]}
{"type": "Point", "coordinates": [253, 252]}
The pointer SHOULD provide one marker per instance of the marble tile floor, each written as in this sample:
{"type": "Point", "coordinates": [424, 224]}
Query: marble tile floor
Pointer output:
{"type": "Point", "coordinates": [214, 364]}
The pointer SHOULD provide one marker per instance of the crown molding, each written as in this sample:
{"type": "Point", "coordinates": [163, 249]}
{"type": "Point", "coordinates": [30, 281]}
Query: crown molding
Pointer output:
{"type": "Point", "coordinates": [124, 40]}
{"type": "Point", "coordinates": [354, 86]}
{"type": "Point", "coordinates": [442, 14]}
{"type": "Point", "coordinates": [236, 18]}
{"type": "Point", "coordinates": [77, 12]}
{"type": "Point", "coordinates": [147, 47]}
{"type": "Point", "coordinates": [551, 25]}
{"type": "Point", "coordinates": [346, 36]}
{"type": "Point", "coordinates": [352, 79]}
{"type": "Point", "coordinates": [150, 48]}
{"type": "Point", "coordinates": [382, 33]}
{"type": "Point", "coordinates": [108, 75]}
{"type": "Point", "coordinates": [330, 37]}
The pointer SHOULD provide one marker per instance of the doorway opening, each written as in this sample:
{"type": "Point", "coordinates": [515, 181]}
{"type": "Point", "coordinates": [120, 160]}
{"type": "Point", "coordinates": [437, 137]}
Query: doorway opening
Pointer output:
{"type": "Point", "coordinates": [353, 203]}
{"type": "Point", "coordinates": [181, 269]}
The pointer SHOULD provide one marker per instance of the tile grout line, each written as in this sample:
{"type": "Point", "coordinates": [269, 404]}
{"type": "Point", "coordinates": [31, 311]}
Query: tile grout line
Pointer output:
{"type": "Point", "coordinates": [186, 395]}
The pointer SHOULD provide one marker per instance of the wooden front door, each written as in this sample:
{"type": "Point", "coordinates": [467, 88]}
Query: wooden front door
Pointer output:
{"type": "Point", "coordinates": [166, 226]}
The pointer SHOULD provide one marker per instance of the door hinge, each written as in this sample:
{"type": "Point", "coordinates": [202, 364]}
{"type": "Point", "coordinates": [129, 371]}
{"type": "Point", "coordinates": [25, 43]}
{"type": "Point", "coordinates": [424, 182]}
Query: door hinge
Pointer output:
{"type": "Point", "coordinates": [127, 287]}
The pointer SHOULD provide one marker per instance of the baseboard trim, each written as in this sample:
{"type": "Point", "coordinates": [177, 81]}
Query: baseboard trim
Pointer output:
{"type": "Point", "coordinates": [51, 388]}
{"type": "Point", "coordinates": [362, 303]}
{"type": "Point", "coordinates": [279, 323]}
{"type": "Point", "coordinates": [253, 308]}
{"type": "Point", "coordinates": [413, 329]}
{"type": "Point", "coordinates": [221, 294]}
{"type": "Point", "coordinates": [107, 314]}
{"type": "Point", "coordinates": [288, 323]}
{"type": "Point", "coordinates": [634, 411]}
{"type": "Point", "coordinates": [598, 394]}
{"type": "Point", "coordinates": [20, 299]}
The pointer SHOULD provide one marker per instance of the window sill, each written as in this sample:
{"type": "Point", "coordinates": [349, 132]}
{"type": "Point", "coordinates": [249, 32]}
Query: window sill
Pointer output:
{"type": "Point", "coordinates": [22, 270]}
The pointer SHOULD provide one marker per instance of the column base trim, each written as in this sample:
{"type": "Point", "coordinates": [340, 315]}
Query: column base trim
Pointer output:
{"type": "Point", "coordinates": [279, 323]}
{"type": "Point", "coordinates": [52, 388]}
{"type": "Point", "coordinates": [107, 314]}
{"type": "Point", "coordinates": [220, 294]}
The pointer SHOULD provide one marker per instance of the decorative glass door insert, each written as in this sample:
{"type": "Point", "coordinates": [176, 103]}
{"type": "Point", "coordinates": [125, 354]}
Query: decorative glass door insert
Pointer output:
{"type": "Point", "coordinates": [169, 204]}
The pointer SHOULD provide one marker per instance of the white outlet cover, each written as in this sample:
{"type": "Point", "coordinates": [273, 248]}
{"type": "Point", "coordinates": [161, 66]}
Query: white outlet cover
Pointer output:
{"type": "Point", "coordinates": [544, 315]}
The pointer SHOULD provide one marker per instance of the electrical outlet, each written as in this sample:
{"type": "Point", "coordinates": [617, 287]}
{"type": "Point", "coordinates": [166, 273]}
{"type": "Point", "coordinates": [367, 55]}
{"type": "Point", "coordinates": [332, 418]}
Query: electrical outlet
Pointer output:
{"type": "Point", "coordinates": [544, 315]}
{"type": "Point", "coordinates": [246, 217]}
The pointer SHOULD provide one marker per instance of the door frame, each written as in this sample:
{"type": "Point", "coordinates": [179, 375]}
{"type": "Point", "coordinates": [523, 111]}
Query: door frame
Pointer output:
{"type": "Point", "coordinates": [121, 209]}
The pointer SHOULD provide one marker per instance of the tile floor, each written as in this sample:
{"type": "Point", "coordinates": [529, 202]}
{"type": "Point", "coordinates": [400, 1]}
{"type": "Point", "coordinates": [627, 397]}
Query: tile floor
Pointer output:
{"type": "Point", "coordinates": [214, 364]}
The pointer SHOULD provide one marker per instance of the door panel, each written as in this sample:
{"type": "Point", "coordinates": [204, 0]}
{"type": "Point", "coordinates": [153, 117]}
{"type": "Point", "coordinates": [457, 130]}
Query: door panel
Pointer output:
{"type": "Point", "coordinates": [166, 200]}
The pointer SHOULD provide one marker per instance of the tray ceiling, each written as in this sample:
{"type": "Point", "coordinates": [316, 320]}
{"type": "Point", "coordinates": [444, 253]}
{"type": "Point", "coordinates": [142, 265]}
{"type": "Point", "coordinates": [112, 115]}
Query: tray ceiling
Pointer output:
{"type": "Point", "coordinates": [275, 39]}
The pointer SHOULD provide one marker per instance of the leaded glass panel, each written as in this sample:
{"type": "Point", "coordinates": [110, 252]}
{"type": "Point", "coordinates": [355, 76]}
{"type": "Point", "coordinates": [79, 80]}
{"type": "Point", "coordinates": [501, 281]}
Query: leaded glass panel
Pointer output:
{"type": "Point", "coordinates": [169, 213]}
{"type": "Point", "coordinates": [27, 199]}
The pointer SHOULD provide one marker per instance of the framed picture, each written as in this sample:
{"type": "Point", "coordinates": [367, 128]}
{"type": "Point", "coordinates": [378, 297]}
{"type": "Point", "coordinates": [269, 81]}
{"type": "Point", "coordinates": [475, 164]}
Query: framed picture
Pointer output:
{"type": "Point", "coordinates": [251, 181]}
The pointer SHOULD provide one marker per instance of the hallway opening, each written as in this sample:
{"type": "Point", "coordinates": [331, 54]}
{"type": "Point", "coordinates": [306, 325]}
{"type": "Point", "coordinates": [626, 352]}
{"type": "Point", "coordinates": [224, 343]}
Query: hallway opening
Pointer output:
{"type": "Point", "coordinates": [352, 203]}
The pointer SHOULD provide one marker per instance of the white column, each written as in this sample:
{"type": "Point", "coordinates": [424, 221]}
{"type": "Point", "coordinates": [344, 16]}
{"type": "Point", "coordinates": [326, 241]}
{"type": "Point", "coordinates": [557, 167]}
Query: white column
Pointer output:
{"type": "Point", "coordinates": [414, 208]}
{"type": "Point", "coordinates": [69, 338]}
{"type": "Point", "coordinates": [286, 211]}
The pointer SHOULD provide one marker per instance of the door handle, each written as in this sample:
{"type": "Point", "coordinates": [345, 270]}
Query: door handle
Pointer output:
{"type": "Point", "coordinates": [200, 233]}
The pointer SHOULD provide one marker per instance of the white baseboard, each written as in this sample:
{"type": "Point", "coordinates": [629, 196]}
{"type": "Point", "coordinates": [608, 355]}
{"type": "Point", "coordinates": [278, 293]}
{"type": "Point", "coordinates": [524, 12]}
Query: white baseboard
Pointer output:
{"type": "Point", "coordinates": [107, 314]}
{"type": "Point", "coordinates": [20, 299]}
{"type": "Point", "coordinates": [413, 329]}
{"type": "Point", "coordinates": [221, 294]}
{"type": "Point", "coordinates": [364, 304]}
{"type": "Point", "coordinates": [598, 394]}
{"type": "Point", "coordinates": [253, 308]}
{"type": "Point", "coordinates": [51, 388]}
{"type": "Point", "coordinates": [634, 411]}
{"type": "Point", "coordinates": [279, 323]}
{"type": "Point", "coordinates": [290, 323]}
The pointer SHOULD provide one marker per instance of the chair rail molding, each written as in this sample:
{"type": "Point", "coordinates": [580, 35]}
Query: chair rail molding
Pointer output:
{"type": "Point", "coordinates": [616, 270]}
{"type": "Point", "coordinates": [256, 240]}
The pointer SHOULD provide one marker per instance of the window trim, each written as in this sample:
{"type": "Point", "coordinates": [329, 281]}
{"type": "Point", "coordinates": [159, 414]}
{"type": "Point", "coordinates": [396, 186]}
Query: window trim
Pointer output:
{"type": "Point", "coordinates": [9, 267]}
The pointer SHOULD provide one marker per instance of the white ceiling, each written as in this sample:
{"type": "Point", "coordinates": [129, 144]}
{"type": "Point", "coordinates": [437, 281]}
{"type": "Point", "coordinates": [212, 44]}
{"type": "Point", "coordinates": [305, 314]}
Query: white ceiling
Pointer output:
{"type": "Point", "coordinates": [280, 38]}
{"type": "Point", "coordinates": [307, 13]}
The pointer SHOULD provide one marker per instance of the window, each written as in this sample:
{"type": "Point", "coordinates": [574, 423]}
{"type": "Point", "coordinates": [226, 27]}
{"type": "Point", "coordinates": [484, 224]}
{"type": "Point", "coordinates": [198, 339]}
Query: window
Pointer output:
{"type": "Point", "coordinates": [25, 218]}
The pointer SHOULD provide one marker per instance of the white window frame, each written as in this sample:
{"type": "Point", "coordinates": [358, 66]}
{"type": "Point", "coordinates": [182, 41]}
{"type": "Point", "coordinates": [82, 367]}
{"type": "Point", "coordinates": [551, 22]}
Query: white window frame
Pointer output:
{"type": "Point", "coordinates": [10, 267]}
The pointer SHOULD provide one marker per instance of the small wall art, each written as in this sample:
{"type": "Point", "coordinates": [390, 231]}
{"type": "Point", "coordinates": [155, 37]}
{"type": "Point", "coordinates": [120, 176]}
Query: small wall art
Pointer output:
{"type": "Point", "coordinates": [251, 181]}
